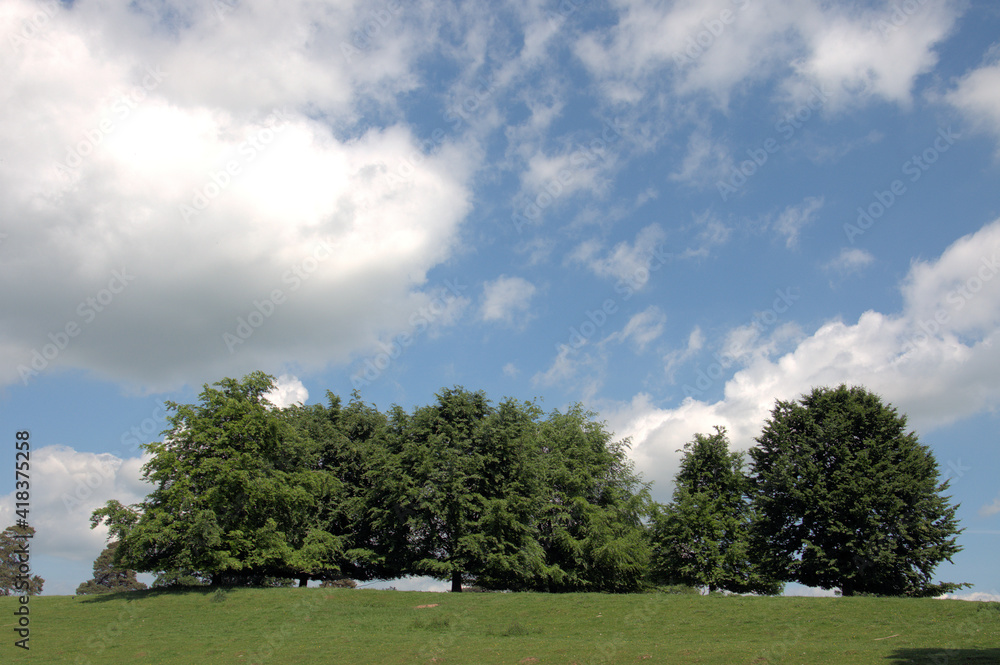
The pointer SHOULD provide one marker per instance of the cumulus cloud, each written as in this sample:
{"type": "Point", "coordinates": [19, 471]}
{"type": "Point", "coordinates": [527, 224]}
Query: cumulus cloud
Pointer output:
{"type": "Point", "coordinates": [936, 361]}
{"type": "Point", "coordinates": [185, 213]}
{"type": "Point", "coordinates": [288, 390]}
{"type": "Point", "coordinates": [67, 485]}
{"type": "Point", "coordinates": [507, 299]}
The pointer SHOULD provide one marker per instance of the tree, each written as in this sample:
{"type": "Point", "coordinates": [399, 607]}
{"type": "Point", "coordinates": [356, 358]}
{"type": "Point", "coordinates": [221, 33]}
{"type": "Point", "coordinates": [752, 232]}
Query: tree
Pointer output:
{"type": "Point", "coordinates": [847, 499]}
{"type": "Point", "coordinates": [458, 495]}
{"type": "Point", "coordinates": [15, 541]}
{"type": "Point", "coordinates": [592, 507]}
{"type": "Point", "coordinates": [232, 503]}
{"type": "Point", "coordinates": [344, 446]}
{"type": "Point", "coordinates": [702, 538]}
{"type": "Point", "coordinates": [109, 578]}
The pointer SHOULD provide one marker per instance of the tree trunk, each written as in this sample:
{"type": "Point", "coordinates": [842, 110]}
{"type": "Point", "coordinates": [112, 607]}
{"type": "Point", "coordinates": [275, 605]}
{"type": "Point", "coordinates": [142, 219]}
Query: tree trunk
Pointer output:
{"type": "Point", "coordinates": [303, 580]}
{"type": "Point", "coordinates": [846, 589]}
{"type": "Point", "coordinates": [456, 581]}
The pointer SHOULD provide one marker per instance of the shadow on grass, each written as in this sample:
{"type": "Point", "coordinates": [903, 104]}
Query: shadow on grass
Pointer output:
{"type": "Point", "coordinates": [153, 593]}
{"type": "Point", "coordinates": [945, 656]}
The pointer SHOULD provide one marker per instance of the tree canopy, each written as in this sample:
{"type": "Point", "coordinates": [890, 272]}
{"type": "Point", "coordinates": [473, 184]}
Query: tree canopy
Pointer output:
{"type": "Point", "coordinates": [109, 578]}
{"type": "Point", "coordinates": [702, 538]}
{"type": "Point", "coordinates": [847, 499]}
{"type": "Point", "coordinates": [462, 490]}
{"type": "Point", "coordinates": [13, 543]}
{"type": "Point", "coordinates": [237, 498]}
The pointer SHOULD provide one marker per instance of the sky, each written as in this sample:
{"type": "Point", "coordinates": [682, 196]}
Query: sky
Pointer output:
{"type": "Point", "coordinates": [674, 213]}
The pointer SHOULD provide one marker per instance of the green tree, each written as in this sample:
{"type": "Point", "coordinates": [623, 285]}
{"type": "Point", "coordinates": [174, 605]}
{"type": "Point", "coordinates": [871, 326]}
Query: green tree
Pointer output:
{"type": "Point", "coordinates": [15, 541]}
{"type": "Point", "coordinates": [232, 503]}
{"type": "Point", "coordinates": [109, 578]}
{"type": "Point", "coordinates": [458, 495]}
{"type": "Point", "coordinates": [592, 507]}
{"type": "Point", "coordinates": [344, 446]}
{"type": "Point", "coordinates": [702, 538]}
{"type": "Point", "coordinates": [847, 499]}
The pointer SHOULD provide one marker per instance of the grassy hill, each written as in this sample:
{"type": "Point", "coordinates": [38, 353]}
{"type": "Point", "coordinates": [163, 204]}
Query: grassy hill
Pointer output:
{"type": "Point", "coordinates": [290, 626]}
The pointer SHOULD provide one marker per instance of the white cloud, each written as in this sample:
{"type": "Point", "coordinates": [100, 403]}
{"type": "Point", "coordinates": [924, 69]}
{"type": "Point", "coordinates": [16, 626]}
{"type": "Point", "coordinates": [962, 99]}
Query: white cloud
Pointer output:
{"type": "Point", "coordinates": [511, 370]}
{"type": "Point", "coordinates": [705, 162]}
{"type": "Point", "coordinates": [936, 361]}
{"type": "Point", "coordinates": [643, 328]}
{"type": "Point", "coordinates": [977, 94]}
{"type": "Point", "coordinates": [507, 299]}
{"type": "Point", "coordinates": [793, 218]}
{"type": "Point", "coordinates": [990, 509]}
{"type": "Point", "coordinates": [225, 209]}
{"type": "Point", "coordinates": [717, 46]}
{"type": "Point", "coordinates": [975, 596]}
{"type": "Point", "coordinates": [67, 486]}
{"type": "Point", "coordinates": [677, 357]}
{"type": "Point", "coordinates": [288, 390]}
{"type": "Point", "coordinates": [850, 260]}
{"type": "Point", "coordinates": [630, 262]}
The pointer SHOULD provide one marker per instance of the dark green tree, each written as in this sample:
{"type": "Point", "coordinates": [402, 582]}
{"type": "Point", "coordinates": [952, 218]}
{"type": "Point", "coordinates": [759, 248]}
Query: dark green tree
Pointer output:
{"type": "Point", "coordinates": [345, 447]}
{"type": "Point", "coordinates": [702, 538]}
{"type": "Point", "coordinates": [847, 499]}
{"type": "Point", "coordinates": [592, 507]}
{"type": "Point", "coordinates": [13, 543]}
{"type": "Point", "coordinates": [108, 578]}
{"type": "Point", "coordinates": [458, 496]}
{"type": "Point", "coordinates": [232, 503]}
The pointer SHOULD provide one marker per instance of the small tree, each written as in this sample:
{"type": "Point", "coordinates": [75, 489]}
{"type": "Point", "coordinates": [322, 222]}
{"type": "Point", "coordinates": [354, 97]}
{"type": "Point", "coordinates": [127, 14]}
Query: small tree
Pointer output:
{"type": "Point", "coordinates": [109, 578]}
{"type": "Point", "coordinates": [702, 538]}
{"type": "Point", "coordinates": [847, 499]}
{"type": "Point", "coordinates": [14, 541]}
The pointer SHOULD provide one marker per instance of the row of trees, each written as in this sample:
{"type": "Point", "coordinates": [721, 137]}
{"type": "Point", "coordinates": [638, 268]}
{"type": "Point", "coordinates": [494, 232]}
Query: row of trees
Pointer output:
{"type": "Point", "coordinates": [837, 495]}
{"type": "Point", "coordinates": [461, 490]}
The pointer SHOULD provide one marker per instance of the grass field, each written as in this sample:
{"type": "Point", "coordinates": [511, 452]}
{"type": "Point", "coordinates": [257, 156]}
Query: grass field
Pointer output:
{"type": "Point", "coordinates": [290, 626]}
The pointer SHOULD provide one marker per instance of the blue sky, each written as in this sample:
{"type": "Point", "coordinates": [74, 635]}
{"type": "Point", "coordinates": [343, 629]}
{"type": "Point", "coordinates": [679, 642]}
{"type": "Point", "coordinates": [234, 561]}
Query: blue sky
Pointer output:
{"type": "Point", "coordinates": [672, 212]}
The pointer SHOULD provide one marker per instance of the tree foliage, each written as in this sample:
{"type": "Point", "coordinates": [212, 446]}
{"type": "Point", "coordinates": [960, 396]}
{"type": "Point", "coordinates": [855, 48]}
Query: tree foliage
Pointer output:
{"type": "Point", "coordinates": [109, 578]}
{"type": "Point", "coordinates": [462, 490]}
{"type": "Point", "coordinates": [847, 499]}
{"type": "Point", "coordinates": [236, 500]}
{"type": "Point", "coordinates": [14, 542]}
{"type": "Point", "coordinates": [702, 538]}
{"type": "Point", "coordinates": [593, 507]}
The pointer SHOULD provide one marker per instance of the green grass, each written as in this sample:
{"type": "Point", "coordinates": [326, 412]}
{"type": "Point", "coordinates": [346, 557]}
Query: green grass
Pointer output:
{"type": "Point", "coordinates": [291, 626]}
